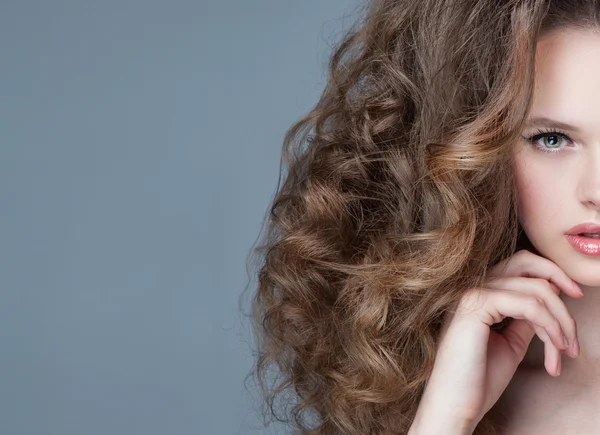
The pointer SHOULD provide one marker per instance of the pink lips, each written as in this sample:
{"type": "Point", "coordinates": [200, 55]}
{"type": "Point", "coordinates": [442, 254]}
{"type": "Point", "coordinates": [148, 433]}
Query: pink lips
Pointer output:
{"type": "Point", "coordinates": [585, 245]}
{"type": "Point", "coordinates": [587, 227]}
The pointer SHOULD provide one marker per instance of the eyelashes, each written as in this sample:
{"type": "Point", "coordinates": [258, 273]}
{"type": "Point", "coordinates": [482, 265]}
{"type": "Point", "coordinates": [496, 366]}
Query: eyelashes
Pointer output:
{"type": "Point", "coordinates": [544, 133]}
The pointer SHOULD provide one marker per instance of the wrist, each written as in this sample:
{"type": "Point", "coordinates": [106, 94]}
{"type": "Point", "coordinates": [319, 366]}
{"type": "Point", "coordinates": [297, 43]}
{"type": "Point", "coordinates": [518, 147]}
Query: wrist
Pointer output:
{"type": "Point", "coordinates": [436, 426]}
{"type": "Point", "coordinates": [430, 421]}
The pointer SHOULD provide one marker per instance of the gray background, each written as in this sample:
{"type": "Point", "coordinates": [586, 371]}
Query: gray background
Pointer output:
{"type": "Point", "coordinates": [140, 149]}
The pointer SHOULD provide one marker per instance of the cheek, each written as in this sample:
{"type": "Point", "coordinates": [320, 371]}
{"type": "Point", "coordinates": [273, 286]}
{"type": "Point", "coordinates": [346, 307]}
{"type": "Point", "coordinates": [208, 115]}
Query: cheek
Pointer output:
{"type": "Point", "coordinates": [527, 202]}
{"type": "Point", "coordinates": [540, 196]}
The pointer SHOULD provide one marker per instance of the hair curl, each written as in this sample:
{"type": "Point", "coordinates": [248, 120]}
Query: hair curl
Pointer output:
{"type": "Point", "coordinates": [399, 195]}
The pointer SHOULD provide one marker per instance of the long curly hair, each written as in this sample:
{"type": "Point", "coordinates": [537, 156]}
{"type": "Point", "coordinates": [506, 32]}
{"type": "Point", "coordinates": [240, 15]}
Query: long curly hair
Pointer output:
{"type": "Point", "coordinates": [396, 194]}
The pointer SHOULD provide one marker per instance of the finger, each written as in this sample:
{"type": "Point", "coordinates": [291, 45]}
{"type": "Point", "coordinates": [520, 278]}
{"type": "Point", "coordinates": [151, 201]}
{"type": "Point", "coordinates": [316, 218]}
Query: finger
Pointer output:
{"type": "Point", "coordinates": [519, 334]}
{"type": "Point", "coordinates": [551, 353]}
{"type": "Point", "coordinates": [548, 292]}
{"type": "Point", "coordinates": [492, 305]}
{"type": "Point", "coordinates": [527, 264]}
{"type": "Point", "coordinates": [552, 358]}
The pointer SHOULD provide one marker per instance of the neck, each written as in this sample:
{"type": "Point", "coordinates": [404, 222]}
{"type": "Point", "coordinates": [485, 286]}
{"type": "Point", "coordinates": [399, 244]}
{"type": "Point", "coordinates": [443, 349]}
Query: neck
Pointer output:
{"type": "Point", "coordinates": [586, 312]}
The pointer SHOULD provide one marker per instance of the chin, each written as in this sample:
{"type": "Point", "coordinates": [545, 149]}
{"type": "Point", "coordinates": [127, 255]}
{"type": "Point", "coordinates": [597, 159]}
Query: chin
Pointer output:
{"type": "Point", "coordinates": [584, 277]}
{"type": "Point", "coordinates": [580, 268]}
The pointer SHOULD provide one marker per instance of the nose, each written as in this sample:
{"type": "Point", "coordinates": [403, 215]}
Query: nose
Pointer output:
{"type": "Point", "coordinates": [590, 180]}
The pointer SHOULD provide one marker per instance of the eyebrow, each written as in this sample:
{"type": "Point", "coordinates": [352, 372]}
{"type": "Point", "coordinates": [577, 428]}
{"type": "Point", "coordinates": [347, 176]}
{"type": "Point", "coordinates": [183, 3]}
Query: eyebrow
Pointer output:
{"type": "Point", "coordinates": [549, 122]}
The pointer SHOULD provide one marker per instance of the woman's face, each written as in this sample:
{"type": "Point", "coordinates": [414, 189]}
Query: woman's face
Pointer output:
{"type": "Point", "coordinates": [559, 181]}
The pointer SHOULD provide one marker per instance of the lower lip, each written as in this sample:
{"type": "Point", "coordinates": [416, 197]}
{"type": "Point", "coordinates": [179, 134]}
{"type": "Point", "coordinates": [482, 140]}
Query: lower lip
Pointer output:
{"type": "Point", "coordinates": [585, 245]}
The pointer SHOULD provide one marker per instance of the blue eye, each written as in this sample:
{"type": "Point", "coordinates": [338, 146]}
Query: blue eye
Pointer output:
{"type": "Point", "coordinates": [555, 137]}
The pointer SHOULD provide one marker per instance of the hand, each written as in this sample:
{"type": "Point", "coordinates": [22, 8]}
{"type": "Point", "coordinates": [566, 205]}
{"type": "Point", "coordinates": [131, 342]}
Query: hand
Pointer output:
{"type": "Point", "coordinates": [475, 364]}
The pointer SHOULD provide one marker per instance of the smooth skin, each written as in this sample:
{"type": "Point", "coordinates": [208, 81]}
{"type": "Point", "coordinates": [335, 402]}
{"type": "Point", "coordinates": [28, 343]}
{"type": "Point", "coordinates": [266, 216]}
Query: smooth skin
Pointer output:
{"type": "Point", "coordinates": [475, 364]}
{"type": "Point", "coordinates": [558, 180]}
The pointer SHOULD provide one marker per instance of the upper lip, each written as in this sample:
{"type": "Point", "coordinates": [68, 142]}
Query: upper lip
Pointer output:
{"type": "Point", "coordinates": [586, 227]}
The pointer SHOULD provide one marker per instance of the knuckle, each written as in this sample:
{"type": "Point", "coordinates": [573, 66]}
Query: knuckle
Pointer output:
{"type": "Point", "coordinates": [556, 324]}
{"type": "Point", "coordinates": [533, 305]}
{"type": "Point", "coordinates": [571, 322]}
{"type": "Point", "coordinates": [525, 258]}
{"type": "Point", "coordinates": [469, 295]}
{"type": "Point", "coordinates": [470, 300]}
{"type": "Point", "coordinates": [544, 287]}
{"type": "Point", "coordinates": [553, 287]}
{"type": "Point", "coordinates": [495, 280]}
{"type": "Point", "coordinates": [523, 253]}
{"type": "Point", "coordinates": [542, 283]}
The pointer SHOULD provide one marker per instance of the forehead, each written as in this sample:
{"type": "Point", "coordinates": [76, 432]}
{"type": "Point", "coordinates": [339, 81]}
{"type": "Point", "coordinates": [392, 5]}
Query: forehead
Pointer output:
{"type": "Point", "coordinates": [567, 78]}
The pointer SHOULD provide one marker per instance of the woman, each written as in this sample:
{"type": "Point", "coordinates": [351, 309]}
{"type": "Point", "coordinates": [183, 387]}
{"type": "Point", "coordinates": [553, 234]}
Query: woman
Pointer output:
{"type": "Point", "coordinates": [427, 227]}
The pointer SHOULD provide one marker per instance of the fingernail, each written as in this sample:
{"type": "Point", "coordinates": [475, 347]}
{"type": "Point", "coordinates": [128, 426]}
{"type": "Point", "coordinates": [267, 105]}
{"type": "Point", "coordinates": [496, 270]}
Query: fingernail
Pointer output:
{"type": "Point", "coordinates": [576, 346]}
{"type": "Point", "coordinates": [558, 366]}
{"type": "Point", "coordinates": [576, 286]}
{"type": "Point", "coordinates": [566, 341]}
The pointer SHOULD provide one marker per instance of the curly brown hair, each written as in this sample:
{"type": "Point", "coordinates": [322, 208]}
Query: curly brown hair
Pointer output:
{"type": "Point", "coordinates": [398, 195]}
